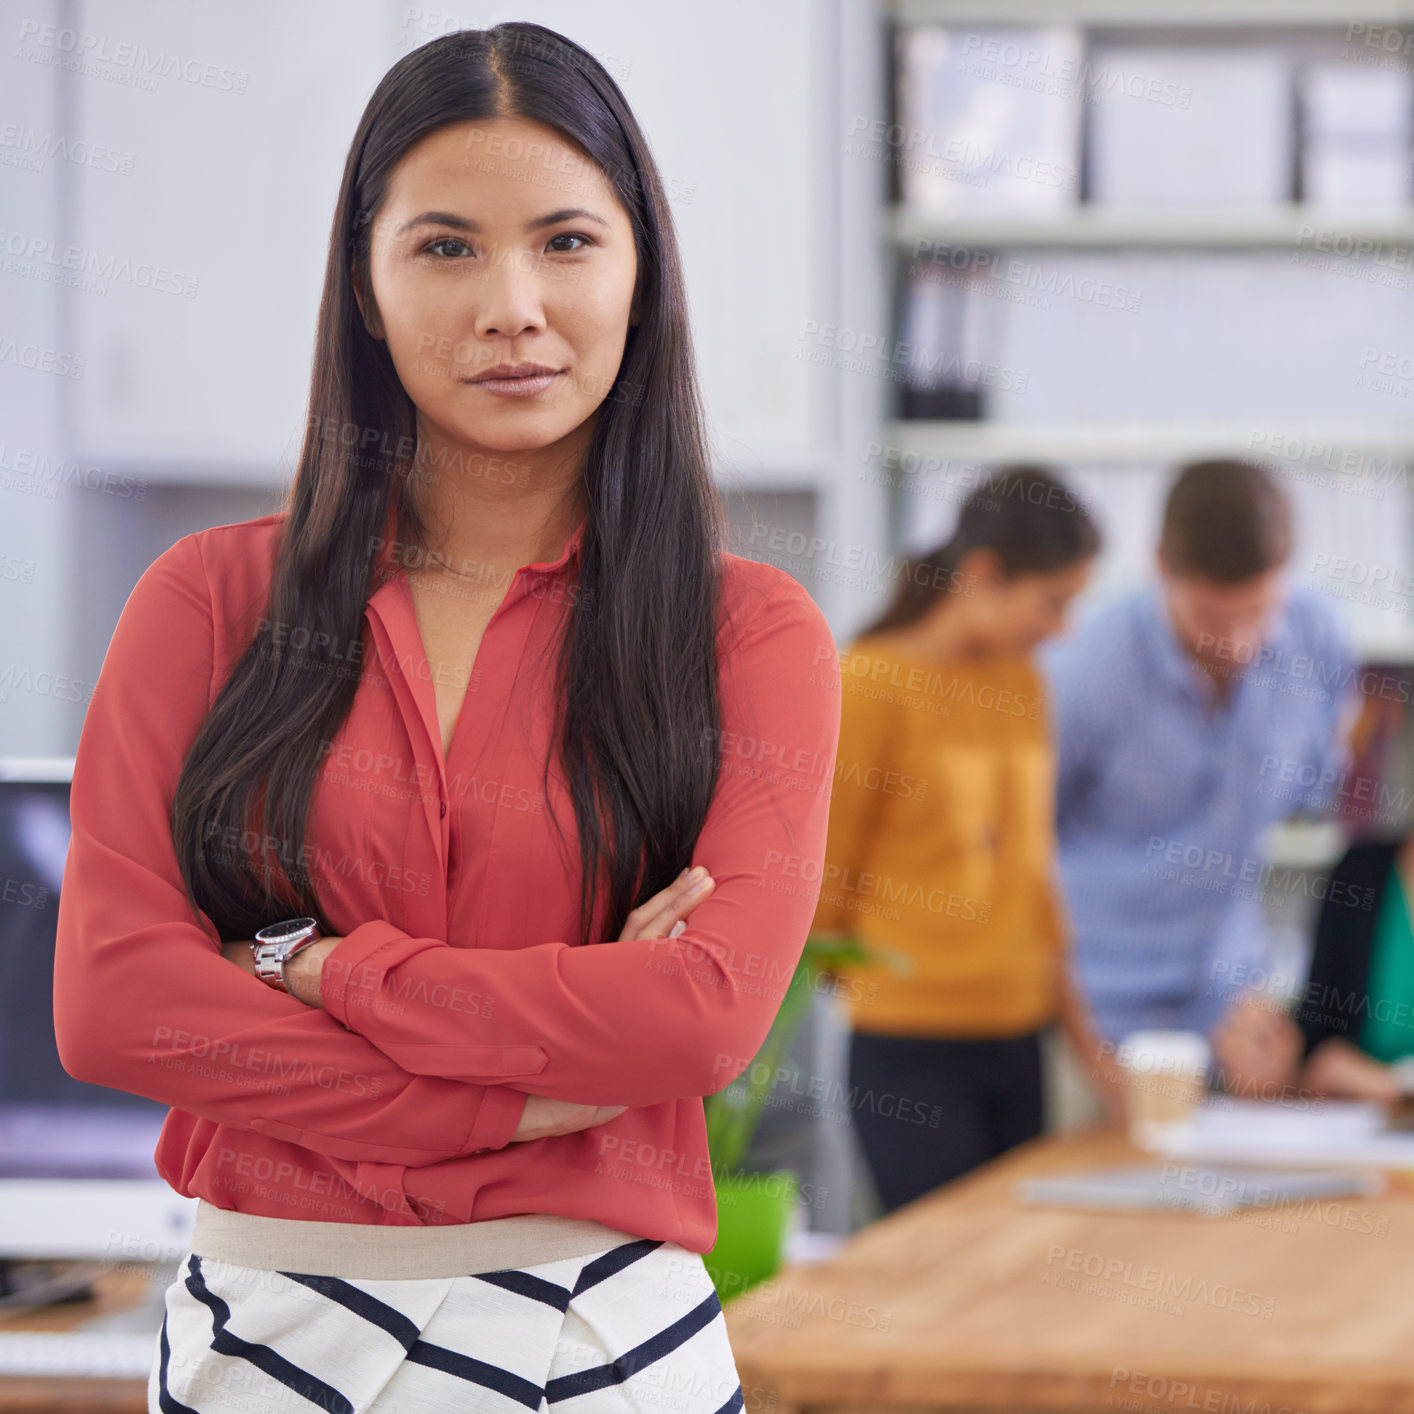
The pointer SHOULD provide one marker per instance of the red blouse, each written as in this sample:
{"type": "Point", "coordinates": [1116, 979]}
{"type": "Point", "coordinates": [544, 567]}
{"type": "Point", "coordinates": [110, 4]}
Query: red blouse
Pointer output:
{"type": "Point", "coordinates": [458, 987]}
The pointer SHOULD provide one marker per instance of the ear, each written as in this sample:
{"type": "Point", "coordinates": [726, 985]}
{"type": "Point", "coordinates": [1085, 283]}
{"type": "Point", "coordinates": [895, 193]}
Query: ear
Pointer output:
{"type": "Point", "coordinates": [982, 565]}
{"type": "Point", "coordinates": [371, 321]}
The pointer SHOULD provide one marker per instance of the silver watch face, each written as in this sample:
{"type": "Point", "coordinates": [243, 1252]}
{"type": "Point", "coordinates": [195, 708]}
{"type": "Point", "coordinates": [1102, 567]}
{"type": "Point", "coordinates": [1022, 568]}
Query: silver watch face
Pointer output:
{"type": "Point", "coordinates": [286, 931]}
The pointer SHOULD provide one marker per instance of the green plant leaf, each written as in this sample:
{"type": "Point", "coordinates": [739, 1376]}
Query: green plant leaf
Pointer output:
{"type": "Point", "coordinates": [733, 1112]}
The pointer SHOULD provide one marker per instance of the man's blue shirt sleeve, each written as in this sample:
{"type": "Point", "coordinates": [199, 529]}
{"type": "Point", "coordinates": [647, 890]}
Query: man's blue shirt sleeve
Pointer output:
{"type": "Point", "coordinates": [1338, 670]}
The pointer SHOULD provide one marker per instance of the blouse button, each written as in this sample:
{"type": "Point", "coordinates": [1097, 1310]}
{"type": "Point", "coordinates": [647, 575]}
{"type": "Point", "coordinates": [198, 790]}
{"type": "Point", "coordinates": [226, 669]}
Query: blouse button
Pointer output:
{"type": "Point", "coordinates": [444, 809]}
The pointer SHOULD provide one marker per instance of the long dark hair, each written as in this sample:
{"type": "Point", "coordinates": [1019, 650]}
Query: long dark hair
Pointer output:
{"type": "Point", "coordinates": [637, 662]}
{"type": "Point", "coordinates": [1033, 521]}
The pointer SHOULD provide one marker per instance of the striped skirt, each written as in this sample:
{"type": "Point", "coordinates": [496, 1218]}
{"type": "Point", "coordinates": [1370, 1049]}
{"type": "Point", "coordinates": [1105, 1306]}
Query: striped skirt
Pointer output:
{"type": "Point", "coordinates": [636, 1327]}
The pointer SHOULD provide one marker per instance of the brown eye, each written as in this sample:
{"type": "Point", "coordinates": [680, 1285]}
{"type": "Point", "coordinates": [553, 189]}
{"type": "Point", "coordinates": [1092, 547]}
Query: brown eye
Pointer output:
{"type": "Point", "coordinates": [444, 240]}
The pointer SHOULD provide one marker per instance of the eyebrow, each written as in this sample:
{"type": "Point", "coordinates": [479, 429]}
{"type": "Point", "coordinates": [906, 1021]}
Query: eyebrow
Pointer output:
{"type": "Point", "coordinates": [465, 223]}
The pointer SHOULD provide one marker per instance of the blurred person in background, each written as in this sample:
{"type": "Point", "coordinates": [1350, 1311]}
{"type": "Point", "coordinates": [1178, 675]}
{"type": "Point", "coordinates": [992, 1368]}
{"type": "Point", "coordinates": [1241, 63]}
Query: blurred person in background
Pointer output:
{"type": "Point", "coordinates": [1351, 1033]}
{"type": "Point", "coordinates": [941, 840]}
{"type": "Point", "coordinates": [1172, 705]}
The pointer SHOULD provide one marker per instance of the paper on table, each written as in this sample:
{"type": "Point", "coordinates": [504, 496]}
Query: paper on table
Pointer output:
{"type": "Point", "coordinates": [1301, 1120]}
{"type": "Point", "coordinates": [1308, 1131]}
{"type": "Point", "coordinates": [1191, 1187]}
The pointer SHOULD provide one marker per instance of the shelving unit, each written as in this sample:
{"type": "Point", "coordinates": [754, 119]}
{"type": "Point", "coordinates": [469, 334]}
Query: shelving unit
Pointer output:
{"type": "Point", "coordinates": [1313, 445]}
{"type": "Point", "coordinates": [983, 442]}
{"type": "Point", "coordinates": [1327, 447]}
{"type": "Point", "coordinates": [1155, 13]}
{"type": "Point", "coordinates": [1290, 226]}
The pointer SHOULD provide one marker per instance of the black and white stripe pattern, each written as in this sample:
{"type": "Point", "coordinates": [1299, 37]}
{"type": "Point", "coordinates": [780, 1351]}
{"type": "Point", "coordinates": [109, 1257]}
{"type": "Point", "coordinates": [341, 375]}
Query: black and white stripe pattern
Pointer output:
{"type": "Point", "coordinates": [635, 1328]}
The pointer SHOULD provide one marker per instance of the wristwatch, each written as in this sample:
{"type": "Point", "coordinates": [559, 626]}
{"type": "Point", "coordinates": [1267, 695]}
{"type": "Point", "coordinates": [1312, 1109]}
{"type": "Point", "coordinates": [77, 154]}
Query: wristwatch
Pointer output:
{"type": "Point", "coordinates": [276, 944]}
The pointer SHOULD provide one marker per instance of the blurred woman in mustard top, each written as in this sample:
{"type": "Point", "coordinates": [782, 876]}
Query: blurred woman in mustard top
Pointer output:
{"type": "Point", "coordinates": [940, 849]}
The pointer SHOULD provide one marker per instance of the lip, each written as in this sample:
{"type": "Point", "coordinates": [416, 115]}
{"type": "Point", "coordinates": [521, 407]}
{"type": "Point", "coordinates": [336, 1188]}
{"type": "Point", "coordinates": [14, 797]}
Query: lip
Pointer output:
{"type": "Point", "coordinates": [517, 380]}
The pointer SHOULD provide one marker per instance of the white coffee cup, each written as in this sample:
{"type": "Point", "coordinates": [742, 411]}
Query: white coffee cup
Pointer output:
{"type": "Point", "coordinates": [1166, 1076]}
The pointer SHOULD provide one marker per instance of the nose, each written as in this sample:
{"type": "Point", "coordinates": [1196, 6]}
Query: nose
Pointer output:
{"type": "Point", "coordinates": [509, 298]}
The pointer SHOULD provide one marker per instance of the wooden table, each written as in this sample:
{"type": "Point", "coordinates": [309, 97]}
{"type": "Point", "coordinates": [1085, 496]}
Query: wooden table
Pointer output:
{"type": "Point", "coordinates": [968, 1300]}
{"type": "Point", "coordinates": [124, 1286]}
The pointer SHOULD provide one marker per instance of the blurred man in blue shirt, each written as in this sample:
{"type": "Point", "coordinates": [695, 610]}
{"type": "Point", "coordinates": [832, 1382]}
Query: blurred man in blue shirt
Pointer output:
{"type": "Point", "coordinates": [1190, 715]}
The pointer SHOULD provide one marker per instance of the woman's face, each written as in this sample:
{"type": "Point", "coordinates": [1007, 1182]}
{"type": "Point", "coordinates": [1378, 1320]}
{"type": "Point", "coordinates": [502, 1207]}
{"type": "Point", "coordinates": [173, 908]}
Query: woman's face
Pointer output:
{"type": "Point", "coordinates": [1015, 615]}
{"type": "Point", "coordinates": [499, 243]}
{"type": "Point", "coordinates": [1034, 606]}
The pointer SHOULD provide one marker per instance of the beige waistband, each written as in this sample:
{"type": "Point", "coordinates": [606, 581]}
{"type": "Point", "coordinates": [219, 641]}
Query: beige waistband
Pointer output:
{"type": "Point", "coordinates": [399, 1252]}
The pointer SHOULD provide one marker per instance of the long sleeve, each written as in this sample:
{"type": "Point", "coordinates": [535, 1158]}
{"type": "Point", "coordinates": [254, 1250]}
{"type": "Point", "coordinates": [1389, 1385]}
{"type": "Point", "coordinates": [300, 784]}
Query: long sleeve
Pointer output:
{"type": "Point", "coordinates": [1336, 997]}
{"type": "Point", "coordinates": [1340, 665]}
{"type": "Point", "coordinates": [867, 728]}
{"type": "Point", "coordinates": [144, 1001]}
{"type": "Point", "coordinates": [1055, 920]}
{"type": "Point", "coordinates": [650, 1020]}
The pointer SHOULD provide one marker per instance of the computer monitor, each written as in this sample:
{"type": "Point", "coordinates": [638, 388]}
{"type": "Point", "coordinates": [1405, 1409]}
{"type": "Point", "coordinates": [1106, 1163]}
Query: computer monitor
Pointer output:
{"type": "Point", "coordinates": [77, 1176]}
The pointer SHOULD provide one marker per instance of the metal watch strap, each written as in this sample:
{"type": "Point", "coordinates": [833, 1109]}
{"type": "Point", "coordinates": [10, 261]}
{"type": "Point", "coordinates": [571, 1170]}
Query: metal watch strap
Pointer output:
{"type": "Point", "coordinates": [275, 944]}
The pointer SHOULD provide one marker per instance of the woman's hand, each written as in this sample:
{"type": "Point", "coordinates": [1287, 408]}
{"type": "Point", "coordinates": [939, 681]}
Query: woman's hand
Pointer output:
{"type": "Point", "coordinates": [1338, 1069]}
{"type": "Point", "coordinates": [661, 916]}
{"type": "Point", "coordinates": [1114, 1099]}
{"type": "Point", "coordinates": [304, 972]}
{"type": "Point", "coordinates": [1109, 1085]}
{"type": "Point", "coordinates": [543, 1118]}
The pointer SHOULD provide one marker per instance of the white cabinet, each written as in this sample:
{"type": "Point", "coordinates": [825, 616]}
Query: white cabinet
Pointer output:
{"type": "Point", "coordinates": [204, 266]}
{"type": "Point", "coordinates": [195, 270]}
{"type": "Point", "coordinates": [731, 98]}
{"type": "Point", "coordinates": [43, 686]}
